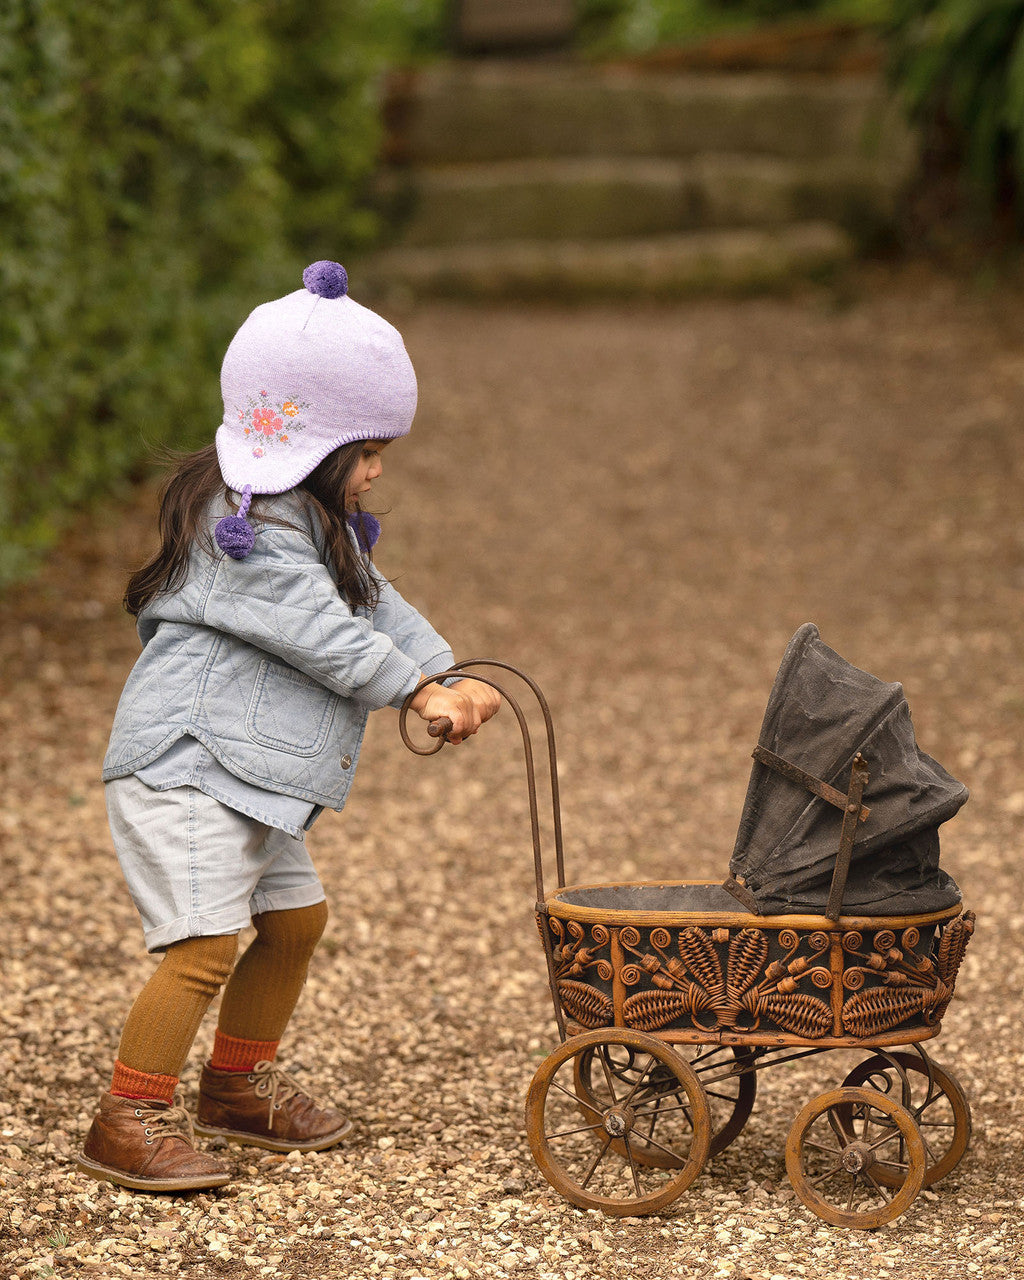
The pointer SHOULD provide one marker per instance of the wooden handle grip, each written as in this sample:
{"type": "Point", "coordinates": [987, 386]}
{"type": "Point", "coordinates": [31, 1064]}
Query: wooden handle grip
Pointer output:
{"type": "Point", "coordinates": [440, 728]}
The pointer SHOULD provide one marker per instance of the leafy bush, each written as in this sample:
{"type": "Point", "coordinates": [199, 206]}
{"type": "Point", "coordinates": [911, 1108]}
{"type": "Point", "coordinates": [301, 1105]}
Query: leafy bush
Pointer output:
{"type": "Point", "coordinates": [963, 61]}
{"type": "Point", "coordinates": [162, 170]}
{"type": "Point", "coordinates": [611, 26]}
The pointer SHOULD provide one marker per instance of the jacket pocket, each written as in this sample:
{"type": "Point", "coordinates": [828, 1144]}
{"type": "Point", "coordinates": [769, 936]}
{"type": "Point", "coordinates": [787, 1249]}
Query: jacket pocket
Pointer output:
{"type": "Point", "coordinates": [289, 711]}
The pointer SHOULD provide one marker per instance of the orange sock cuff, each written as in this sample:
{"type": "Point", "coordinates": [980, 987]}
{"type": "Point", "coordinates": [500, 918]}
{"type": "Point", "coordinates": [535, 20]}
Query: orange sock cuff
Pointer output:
{"type": "Point", "coordinates": [144, 1086]}
{"type": "Point", "coordinates": [232, 1054]}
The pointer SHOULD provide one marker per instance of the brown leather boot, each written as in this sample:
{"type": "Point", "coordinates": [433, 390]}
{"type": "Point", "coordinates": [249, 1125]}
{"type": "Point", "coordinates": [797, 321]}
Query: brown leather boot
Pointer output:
{"type": "Point", "coordinates": [266, 1108]}
{"type": "Point", "coordinates": [147, 1145]}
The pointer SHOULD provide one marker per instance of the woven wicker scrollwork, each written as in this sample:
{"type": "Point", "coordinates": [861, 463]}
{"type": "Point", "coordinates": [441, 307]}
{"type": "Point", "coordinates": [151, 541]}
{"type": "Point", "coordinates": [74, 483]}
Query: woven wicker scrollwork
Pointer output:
{"type": "Point", "coordinates": [904, 985]}
{"type": "Point", "coordinates": [804, 1015]}
{"type": "Point", "coordinates": [869, 1013]}
{"type": "Point", "coordinates": [740, 994]}
{"type": "Point", "coordinates": [700, 958]}
{"type": "Point", "coordinates": [748, 954]}
{"type": "Point", "coordinates": [952, 946]}
{"type": "Point", "coordinates": [577, 954]}
{"type": "Point", "coordinates": [591, 1008]}
{"type": "Point", "coordinates": [652, 1010]}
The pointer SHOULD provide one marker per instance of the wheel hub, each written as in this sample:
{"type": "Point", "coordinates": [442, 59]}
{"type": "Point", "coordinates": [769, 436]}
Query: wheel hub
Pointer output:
{"type": "Point", "coordinates": [618, 1121]}
{"type": "Point", "coordinates": [856, 1157]}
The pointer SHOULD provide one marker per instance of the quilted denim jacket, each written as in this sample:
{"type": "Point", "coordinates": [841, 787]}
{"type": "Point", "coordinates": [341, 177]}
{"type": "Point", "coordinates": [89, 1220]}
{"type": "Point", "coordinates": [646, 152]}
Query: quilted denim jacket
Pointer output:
{"type": "Point", "coordinates": [263, 661]}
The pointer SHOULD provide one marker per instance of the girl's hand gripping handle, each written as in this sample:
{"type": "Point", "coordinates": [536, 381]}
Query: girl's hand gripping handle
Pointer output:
{"type": "Point", "coordinates": [457, 712]}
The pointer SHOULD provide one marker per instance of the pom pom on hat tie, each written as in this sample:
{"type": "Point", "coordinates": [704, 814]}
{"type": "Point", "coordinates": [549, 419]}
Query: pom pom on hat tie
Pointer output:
{"type": "Point", "coordinates": [366, 527]}
{"type": "Point", "coordinates": [236, 537]}
{"type": "Point", "coordinates": [326, 279]}
{"type": "Point", "coordinates": [234, 534]}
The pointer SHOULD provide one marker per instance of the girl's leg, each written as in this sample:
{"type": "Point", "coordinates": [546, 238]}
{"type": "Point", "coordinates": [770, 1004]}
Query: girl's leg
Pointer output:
{"type": "Point", "coordinates": [138, 1138]}
{"type": "Point", "coordinates": [163, 1021]}
{"type": "Point", "coordinates": [265, 986]}
{"type": "Point", "coordinates": [243, 1095]}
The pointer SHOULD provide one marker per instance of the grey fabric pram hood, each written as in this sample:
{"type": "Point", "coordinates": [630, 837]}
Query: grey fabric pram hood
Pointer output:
{"type": "Point", "coordinates": [821, 712]}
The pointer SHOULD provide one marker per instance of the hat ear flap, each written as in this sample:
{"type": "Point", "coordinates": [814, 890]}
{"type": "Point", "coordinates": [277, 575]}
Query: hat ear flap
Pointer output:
{"type": "Point", "coordinates": [234, 534]}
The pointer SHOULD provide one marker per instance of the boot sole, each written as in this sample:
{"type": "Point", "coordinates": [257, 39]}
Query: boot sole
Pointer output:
{"type": "Point", "coordinates": [200, 1182]}
{"type": "Point", "coordinates": [242, 1139]}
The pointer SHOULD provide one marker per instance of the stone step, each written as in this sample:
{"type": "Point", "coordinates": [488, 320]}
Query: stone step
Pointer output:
{"type": "Point", "coordinates": [578, 198]}
{"type": "Point", "coordinates": [463, 112]}
{"type": "Point", "coordinates": [731, 261]}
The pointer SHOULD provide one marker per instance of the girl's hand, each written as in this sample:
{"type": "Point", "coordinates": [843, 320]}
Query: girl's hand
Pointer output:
{"type": "Point", "coordinates": [467, 705]}
{"type": "Point", "coordinates": [486, 698]}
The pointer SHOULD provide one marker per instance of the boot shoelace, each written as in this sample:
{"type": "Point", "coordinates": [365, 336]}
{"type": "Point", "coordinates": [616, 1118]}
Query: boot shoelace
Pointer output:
{"type": "Point", "coordinates": [166, 1122]}
{"type": "Point", "coordinates": [278, 1086]}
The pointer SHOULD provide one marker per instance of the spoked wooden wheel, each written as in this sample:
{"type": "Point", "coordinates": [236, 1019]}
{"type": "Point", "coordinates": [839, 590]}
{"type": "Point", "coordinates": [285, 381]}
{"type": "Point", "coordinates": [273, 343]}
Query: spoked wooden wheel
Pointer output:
{"type": "Point", "coordinates": [586, 1140]}
{"type": "Point", "coordinates": [728, 1087]}
{"type": "Point", "coordinates": [936, 1101]}
{"type": "Point", "coordinates": [838, 1147]}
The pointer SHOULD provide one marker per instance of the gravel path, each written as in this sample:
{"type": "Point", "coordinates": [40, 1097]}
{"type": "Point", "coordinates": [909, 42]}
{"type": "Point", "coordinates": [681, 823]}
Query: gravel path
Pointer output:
{"type": "Point", "coordinates": [643, 504]}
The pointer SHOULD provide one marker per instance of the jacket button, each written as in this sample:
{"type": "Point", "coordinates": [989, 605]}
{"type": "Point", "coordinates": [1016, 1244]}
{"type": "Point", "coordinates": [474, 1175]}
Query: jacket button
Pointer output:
{"type": "Point", "coordinates": [346, 762]}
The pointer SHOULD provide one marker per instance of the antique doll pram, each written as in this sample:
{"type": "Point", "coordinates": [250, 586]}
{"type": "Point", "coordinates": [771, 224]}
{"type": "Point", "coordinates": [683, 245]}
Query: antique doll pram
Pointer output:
{"type": "Point", "coordinates": [836, 929]}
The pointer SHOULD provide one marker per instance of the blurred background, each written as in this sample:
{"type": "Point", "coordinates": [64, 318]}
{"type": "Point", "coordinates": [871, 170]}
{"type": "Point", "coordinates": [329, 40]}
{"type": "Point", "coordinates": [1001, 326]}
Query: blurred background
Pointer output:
{"type": "Point", "coordinates": [158, 177]}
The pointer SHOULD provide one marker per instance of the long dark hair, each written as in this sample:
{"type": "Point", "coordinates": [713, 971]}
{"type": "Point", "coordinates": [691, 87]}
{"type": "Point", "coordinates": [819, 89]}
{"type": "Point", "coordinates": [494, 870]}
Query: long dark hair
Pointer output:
{"type": "Point", "coordinates": [197, 481]}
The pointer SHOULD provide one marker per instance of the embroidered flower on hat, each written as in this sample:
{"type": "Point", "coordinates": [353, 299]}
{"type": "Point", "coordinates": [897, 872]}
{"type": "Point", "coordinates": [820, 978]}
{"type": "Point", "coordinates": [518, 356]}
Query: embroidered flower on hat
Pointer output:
{"type": "Point", "coordinates": [265, 424]}
{"type": "Point", "coordinates": [264, 420]}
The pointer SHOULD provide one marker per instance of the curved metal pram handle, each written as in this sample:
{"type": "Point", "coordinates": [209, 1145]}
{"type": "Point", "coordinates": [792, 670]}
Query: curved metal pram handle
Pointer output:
{"type": "Point", "coordinates": [437, 730]}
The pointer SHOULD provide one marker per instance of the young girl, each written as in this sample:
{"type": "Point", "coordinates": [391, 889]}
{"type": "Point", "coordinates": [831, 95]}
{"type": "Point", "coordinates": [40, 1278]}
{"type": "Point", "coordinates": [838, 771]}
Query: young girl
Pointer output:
{"type": "Point", "coordinates": [268, 636]}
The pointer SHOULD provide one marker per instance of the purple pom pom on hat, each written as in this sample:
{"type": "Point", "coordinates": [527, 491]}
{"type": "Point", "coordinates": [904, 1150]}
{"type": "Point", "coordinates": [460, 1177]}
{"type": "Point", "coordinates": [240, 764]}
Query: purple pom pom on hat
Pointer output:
{"type": "Point", "coordinates": [234, 534]}
{"type": "Point", "coordinates": [366, 527]}
{"type": "Point", "coordinates": [326, 279]}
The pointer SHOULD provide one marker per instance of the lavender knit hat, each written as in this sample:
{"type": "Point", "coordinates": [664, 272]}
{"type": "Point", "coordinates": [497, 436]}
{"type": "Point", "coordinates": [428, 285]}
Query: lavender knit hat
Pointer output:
{"type": "Point", "coordinates": [304, 375]}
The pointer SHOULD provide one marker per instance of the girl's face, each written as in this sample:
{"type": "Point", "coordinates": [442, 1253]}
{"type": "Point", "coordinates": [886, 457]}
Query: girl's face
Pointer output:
{"type": "Point", "coordinates": [366, 470]}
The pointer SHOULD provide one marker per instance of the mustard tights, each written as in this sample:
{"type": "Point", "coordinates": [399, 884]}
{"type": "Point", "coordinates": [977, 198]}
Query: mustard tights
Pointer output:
{"type": "Point", "coordinates": [261, 992]}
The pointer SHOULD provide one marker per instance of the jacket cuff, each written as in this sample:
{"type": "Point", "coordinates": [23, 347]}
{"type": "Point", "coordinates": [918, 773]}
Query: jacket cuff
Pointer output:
{"type": "Point", "coordinates": [440, 662]}
{"type": "Point", "coordinates": [395, 673]}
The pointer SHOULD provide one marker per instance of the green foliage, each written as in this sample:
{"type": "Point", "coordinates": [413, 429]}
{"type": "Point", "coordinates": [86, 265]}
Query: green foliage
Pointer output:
{"type": "Point", "coordinates": [621, 26]}
{"type": "Point", "coordinates": [323, 108]}
{"type": "Point", "coordinates": [771, 8]}
{"type": "Point", "coordinates": [963, 60]}
{"type": "Point", "coordinates": [163, 168]}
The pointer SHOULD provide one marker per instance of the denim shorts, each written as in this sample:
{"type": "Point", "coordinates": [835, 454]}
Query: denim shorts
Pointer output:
{"type": "Point", "coordinates": [196, 868]}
